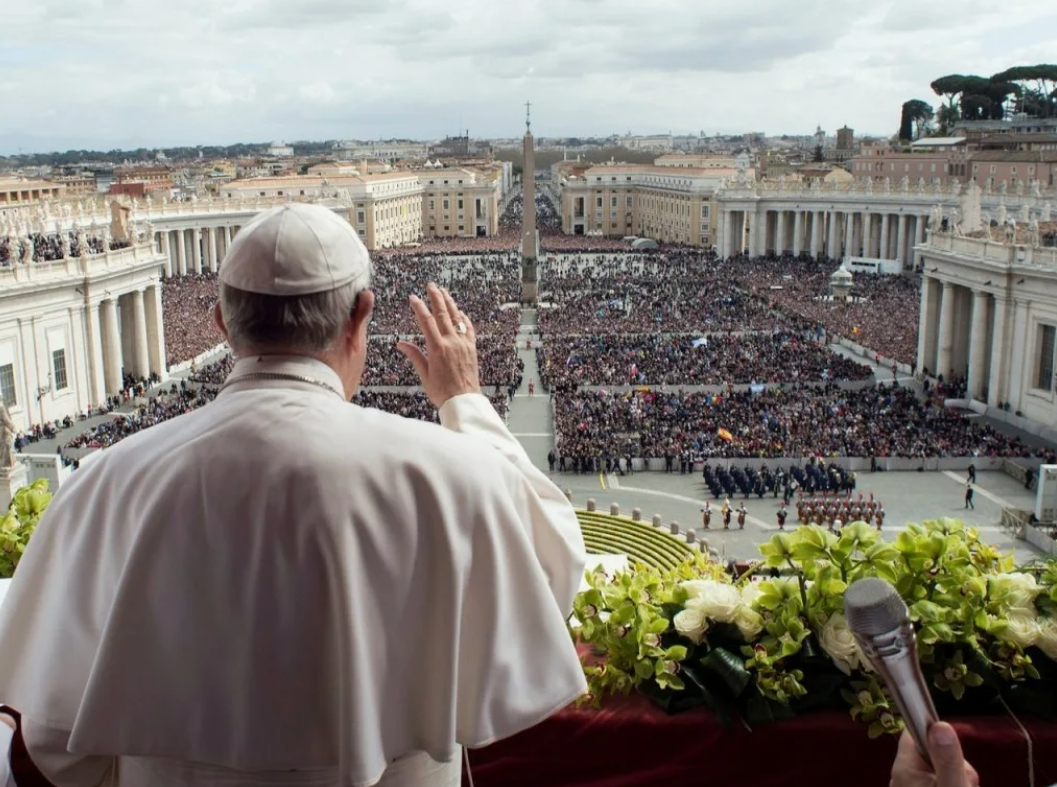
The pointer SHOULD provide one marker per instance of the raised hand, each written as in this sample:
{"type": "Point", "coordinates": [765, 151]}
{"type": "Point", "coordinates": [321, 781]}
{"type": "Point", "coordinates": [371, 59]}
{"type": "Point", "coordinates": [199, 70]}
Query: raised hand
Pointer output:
{"type": "Point", "coordinates": [449, 366]}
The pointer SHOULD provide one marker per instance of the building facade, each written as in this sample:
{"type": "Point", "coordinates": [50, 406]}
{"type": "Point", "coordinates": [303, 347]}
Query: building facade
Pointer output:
{"type": "Point", "coordinates": [460, 203]}
{"type": "Point", "coordinates": [669, 204]}
{"type": "Point", "coordinates": [71, 329]}
{"type": "Point", "coordinates": [989, 315]}
{"type": "Point", "coordinates": [20, 192]}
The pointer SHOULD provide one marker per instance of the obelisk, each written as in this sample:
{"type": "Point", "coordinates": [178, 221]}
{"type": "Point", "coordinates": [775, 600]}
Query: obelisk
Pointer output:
{"type": "Point", "coordinates": [529, 236]}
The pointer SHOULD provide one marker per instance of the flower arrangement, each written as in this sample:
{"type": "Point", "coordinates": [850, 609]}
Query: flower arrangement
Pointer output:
{"type": "Point", "coordinates": [768, 650]}
{"type": "Point", "coordinates": [18, 524]}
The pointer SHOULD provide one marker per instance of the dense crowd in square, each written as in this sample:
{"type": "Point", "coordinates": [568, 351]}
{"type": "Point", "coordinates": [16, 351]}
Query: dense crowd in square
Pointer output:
{"type": "Point", "coordinates": [883, 316]}
{"type": "Point", "coordinates": [820, 421]}
{"type": "Point", "coordinates": [720, 359]}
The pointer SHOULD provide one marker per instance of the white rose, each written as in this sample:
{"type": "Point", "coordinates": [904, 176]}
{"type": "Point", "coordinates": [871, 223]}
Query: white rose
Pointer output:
{"type": "Point", "coordinates": [1047, 636]}
{"type": "Point", "coordinates": [750, 591]}
{"type": "Point", "coordinates": [691, 623]}
{"type": "Point", "coordinates": [718, 600]}
{"type": "Point", "coordinates": [1022, 630]}
{"type": "Point", "coordinates": [748, 621]}
{"type": "Point", "coordinates": [839, 643]}
{"type": "Point", "coordinates": [1016, 593]}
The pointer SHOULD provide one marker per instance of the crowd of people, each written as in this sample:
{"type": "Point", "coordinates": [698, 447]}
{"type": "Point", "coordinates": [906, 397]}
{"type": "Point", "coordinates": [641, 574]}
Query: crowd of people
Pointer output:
{"type": "Point", "coordinates": [824, 421]}
{"type": "Point", "coordinates": [414, 404]}
{"type": "Point", "coordinates": [486, 286]}
{"type": "Point", "coordinates": [676, 291]}
{"type": "Point", "coordinates": [719, 359]}
{"type": "Point", "coordinates": [883, 314]}
{"type": "Point", "coordinates": [499, 363]}
{"type": "Point", "coordinates": [158, 407]}
{"type": "Point", "coordinates": [187, 303]}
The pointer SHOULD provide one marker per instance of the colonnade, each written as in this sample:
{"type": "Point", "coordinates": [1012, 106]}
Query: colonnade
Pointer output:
{"type": "Point", "coordinates": [196, 250]}
{"type": "Point", "coordinates": [962, 333]}
{"type": "Point", "coordinates": [125, 337]}
{"type": "Point", "coordinates": [878, 234]}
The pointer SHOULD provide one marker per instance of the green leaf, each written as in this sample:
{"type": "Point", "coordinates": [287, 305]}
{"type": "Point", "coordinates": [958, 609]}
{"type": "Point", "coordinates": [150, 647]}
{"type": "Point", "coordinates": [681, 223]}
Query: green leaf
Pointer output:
{"type": "Point", "coordinates": [760, 710]}
{"type": "Point", "coordinates": [657, 626]}
{"type": "Point", "coordinates": [729, 668]}
{"type": "Point", "coordinates": [643, 669]}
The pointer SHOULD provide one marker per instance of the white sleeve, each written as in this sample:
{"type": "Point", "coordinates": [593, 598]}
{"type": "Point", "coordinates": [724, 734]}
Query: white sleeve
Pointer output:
{"type": "Point", "coordinates": [551, 521]}
{"type": "Point", "coordinates": [7, 735]}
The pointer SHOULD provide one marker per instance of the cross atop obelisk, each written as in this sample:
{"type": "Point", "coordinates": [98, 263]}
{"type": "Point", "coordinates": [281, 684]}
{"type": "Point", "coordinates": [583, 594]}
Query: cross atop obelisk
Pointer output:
{"type": "Point", "coordinates": [528, 116]}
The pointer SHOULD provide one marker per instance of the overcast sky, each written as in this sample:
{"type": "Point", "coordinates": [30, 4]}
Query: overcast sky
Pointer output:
{"type": "Point", "coordinates": [129, 73]}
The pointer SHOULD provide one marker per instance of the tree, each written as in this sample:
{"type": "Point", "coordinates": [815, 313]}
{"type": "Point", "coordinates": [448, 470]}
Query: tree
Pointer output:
{"type": "Point", "coordinates": [1038, 87]}
{"type": "Point", "coordinates": [819, 157]}
{"type": "Point", "coordinates": [947, 117]}
{"type": "Point", "coordinates": [954, 86]}
{"type": "Point", "coordinates": [916, 116]}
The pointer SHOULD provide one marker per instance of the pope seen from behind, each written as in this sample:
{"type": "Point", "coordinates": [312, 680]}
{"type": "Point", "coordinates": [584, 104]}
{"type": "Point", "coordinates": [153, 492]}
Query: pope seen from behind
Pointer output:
{"type": "Point", "coordinates": [283, 588]}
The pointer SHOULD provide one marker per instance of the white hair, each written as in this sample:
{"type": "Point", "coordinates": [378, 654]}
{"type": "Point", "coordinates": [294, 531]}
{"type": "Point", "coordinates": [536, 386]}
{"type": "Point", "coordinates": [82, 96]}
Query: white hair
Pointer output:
{"type": "Point", "coordinates": [311, 322]}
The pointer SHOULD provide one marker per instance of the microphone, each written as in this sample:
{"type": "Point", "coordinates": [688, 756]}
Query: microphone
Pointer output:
{"type": "Point", "coordinates": [879, 619]}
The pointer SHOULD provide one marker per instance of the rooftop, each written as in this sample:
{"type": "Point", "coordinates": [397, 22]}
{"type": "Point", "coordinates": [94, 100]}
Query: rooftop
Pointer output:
{"type": "Point", "coordinates": [938, 142]}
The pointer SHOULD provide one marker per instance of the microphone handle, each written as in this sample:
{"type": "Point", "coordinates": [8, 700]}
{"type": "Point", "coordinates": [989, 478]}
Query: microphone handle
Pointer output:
{"type": "Point", "coordinates": [901, 671]}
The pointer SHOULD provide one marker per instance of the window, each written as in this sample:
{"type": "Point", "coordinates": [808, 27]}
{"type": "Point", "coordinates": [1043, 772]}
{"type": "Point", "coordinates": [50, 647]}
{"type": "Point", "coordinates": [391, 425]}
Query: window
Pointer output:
{"type": "Point", "coordinates": [445, 204]}
{"type": "Point", "coordinates": [58, 364]}
{"type": "Point", "coordinates": [461, 227]}
{"type": "Point", "coordinates": [705, 227]}
{"type": "Point", "coordinates": [933, 167]}
{"type": "Point", "coordinates": [460, 204]}
{"type": "Point", "coordinates": [706, 211]}
{"type": "Point", "coordinates": [598, 202]}
{"type": "Point", "coordinates": [612, 214]}
{"type": "Point", "coordinates": [431, 203]}
{"type": "Point", "coordinates": [7, 385]}
{"type": "Point", "coordinates": [446, 227]}
{"type": "Point", "coordinates": [629, 202]}
{"type": "Point", "coordinates": [360, 217]}
{"type": "Point", "coordinates": [1047, 337]}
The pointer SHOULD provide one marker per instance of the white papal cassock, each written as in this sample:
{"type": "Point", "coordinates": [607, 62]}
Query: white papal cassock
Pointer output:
{"type": "Point", "coordinates": [283, 588]}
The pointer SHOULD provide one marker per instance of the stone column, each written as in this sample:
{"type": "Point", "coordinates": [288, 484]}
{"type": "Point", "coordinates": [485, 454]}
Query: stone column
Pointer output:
{"type": "Point", "coordinates": [946, 340]}
{"type": "Point", "coordinates": [163, 246]}
{"type": "Point", "coordinates": [779, 232]}
{"type": "Point", "coordinates": [886, 245]}
{"type": "Point", "coordinates": [901, 243]}
{"type": "Point", "coordinates": [723, 233]}
{"type": "Point", "coordinates": [998, 384]}
{"type": "Point", "coordinates": [181, 252]}
{"type": "Point", "coordinates": [978, 345]}
{"type": "Point", "coordinates": [141, 358]}
{"type": "Point", "coordinates": [849, 231]}
{"type": "Point", "coordinates": [831, 243]}
{"type": "Point", "coordinates": [211, 243]}
{"type": "Point", "coordinates": [919, 230]}
{"type": "Point", "coordinates": [112, 346]}
{"type": "Point", "coordinates": [155, 331]}
{"type": "Point", "coordinates": [815, 217]}
{"type": "Point", "coordinates": [96, 351]}
{"type": "Point", "coordinates": [798, 233]}
{"type": "Point", "coordinates": [196, 251]}
{"type": "Point", "coordinates": [755, 232]}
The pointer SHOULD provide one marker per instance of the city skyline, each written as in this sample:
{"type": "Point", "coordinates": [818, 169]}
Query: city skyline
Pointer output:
{"type": "Point", "coordinates": [116, 74]}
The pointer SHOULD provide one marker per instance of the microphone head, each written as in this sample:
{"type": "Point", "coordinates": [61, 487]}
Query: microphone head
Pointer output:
{"type": "Point", "coordinates": [872, 607]}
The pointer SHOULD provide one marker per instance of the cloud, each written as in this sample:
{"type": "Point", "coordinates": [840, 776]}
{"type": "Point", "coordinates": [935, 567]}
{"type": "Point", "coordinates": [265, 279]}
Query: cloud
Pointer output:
{"type": "Point", "coordinates": [318, 93]}
{"type": "Point", "coordinates": [155, 73]}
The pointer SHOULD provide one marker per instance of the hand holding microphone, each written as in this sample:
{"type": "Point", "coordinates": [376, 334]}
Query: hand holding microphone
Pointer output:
{"type": "Point", "coordinates": [929, 752]}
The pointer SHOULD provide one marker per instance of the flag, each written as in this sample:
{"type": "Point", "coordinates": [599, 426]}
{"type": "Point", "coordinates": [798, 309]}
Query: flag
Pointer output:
{"type": "Point", "coordinates": [855, 330]}
{"type": "Point", "coordinates": [702, 342]}
{"type": "Point", "coordinates": [724, 434]}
